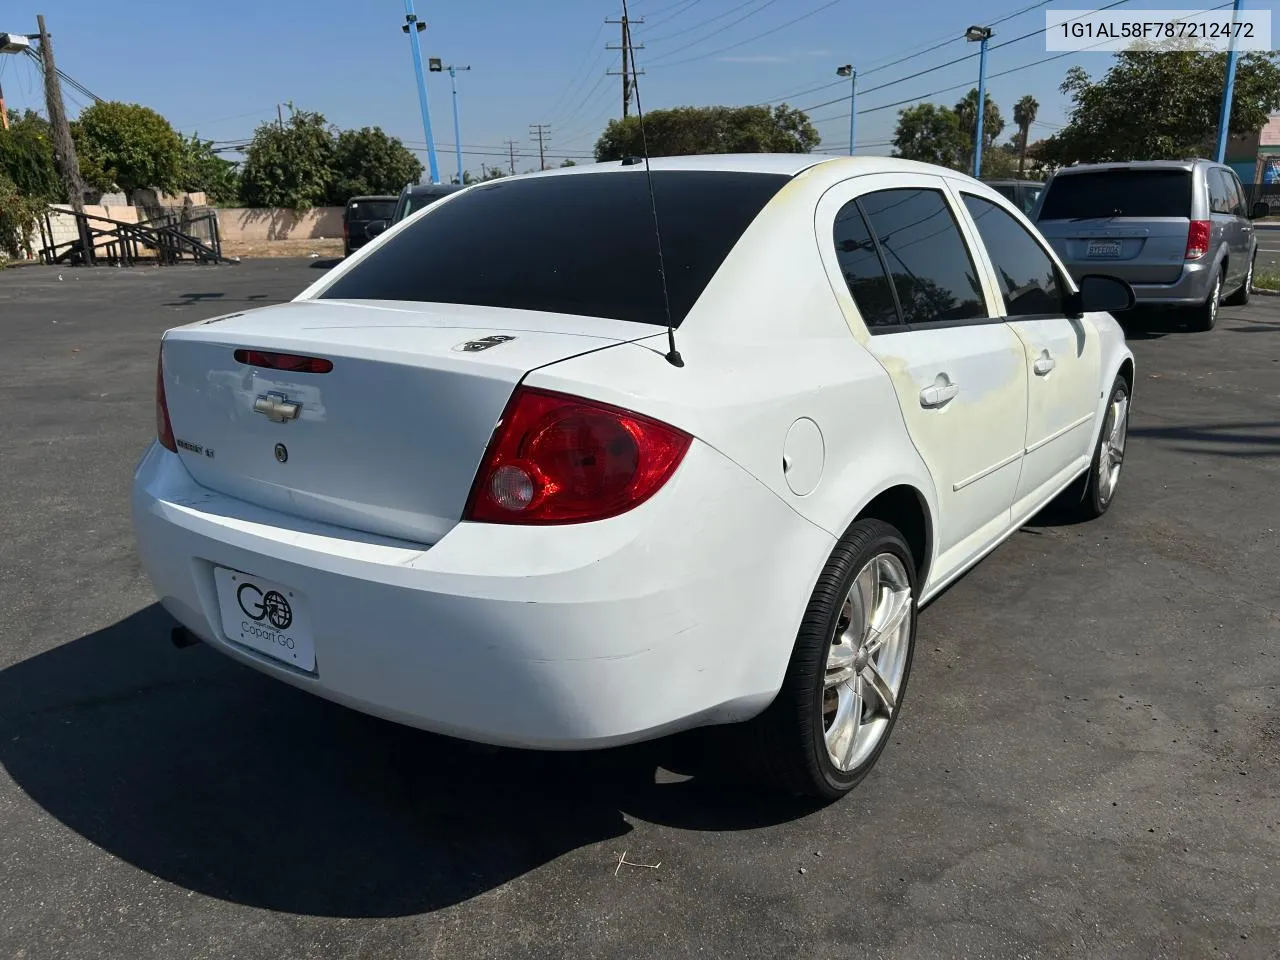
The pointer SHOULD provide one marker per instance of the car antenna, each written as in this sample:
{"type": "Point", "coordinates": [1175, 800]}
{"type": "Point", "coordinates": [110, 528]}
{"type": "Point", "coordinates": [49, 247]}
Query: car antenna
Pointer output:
{"type": "Point", "coordinates": [672, 355]}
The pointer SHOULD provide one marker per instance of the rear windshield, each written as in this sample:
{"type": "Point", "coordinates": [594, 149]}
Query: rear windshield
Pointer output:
{"type": "Point", "coordinates": [416, 201]}
{"type": "Point", "coordinates": [1118, 193]}
{"type": "Point", "coordinates": [580, 244]}
{"type": "Point", "coordinates": [371, 209]}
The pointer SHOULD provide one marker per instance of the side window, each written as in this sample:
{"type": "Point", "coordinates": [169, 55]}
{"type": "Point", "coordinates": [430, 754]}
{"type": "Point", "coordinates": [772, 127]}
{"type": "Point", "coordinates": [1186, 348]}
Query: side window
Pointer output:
{"type": "Point", "coordinates": [933, 274]}
{"type": "Point", "coordinates": [1028, 278]}
{"type": "Point", "coordinates": [1241, 208]}
{"type": "Point", "coordinates": [864, 270]}
{"type": "Point", "coordinates": [1219, 194]}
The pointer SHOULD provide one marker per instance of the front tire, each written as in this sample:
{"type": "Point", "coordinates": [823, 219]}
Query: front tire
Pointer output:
{"type": "Point", "coordinates": [844, 686]}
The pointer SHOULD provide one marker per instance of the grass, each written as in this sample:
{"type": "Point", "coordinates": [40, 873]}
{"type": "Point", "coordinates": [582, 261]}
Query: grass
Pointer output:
{"type": "Point", "coordinates": [1267, 279]}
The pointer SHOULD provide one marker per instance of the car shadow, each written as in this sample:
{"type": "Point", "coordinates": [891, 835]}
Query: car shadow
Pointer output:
{"type": "Point", "coordinates": [1243, 439]}
{"type": "Point", "coordinates": [213, 777]}
{"type": "Point", "coordinates": [331, 262]}
{"type": "Point", "coordinates": [214, 297]}
{"type": "Point", "coordinates": [1152, 323]}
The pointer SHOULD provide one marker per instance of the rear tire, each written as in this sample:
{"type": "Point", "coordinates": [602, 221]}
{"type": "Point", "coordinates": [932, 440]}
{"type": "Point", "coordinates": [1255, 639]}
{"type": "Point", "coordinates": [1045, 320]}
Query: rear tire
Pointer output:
{"type": "Point", "coordinates": [1091, 496]}
{"type": "Point", "coordinates": [1241, 297]}
{"type": "Point", "coordinates": [1205, 317]}
{"type": "Point", "coordinates": [844, 686]}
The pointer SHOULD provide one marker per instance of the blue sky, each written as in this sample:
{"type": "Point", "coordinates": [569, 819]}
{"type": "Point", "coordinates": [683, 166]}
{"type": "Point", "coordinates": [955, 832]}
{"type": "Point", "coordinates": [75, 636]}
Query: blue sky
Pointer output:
{"type": "Point", "coordinates": [222, 68]}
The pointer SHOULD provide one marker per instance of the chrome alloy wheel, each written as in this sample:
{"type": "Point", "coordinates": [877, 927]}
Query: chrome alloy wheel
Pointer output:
{"type": "Point", "coordinates": [1115, 431]}
{"type": "Point", "coordinates": [867, 662]}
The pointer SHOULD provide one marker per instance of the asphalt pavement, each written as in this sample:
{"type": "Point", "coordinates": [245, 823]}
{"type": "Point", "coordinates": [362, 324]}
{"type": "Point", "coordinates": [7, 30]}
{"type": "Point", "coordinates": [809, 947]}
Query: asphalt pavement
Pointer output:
{"type": "Point", "coordinates": [1088, 764]}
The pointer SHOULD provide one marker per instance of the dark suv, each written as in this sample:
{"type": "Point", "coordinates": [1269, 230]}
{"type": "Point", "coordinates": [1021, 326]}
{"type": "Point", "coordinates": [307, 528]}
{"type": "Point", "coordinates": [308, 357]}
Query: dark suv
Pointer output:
{"type": "Point", "coordinates": [359, 215]}
{"type": "Point", "coordinates": [418, 195]}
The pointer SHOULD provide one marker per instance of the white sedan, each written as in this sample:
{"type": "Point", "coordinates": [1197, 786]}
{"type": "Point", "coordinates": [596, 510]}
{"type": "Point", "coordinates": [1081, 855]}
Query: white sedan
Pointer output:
{"type": "Point", "coordinates": [514, 474]}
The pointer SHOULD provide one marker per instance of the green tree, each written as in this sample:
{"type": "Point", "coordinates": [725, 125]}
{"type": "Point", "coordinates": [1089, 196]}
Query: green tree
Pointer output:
{"type": "Point", "coordinates": [966, 111]}
{"type": "Point", "coordinates": [203, 170]}
{"type": "Point", "coordinates": [931, 134]}
{"type": "Point", "coordinates": [292, 165]}
{"type": "Point", "coordinates": [1024, 115]}
{"type": "Point", "coordinates": [128, 146]}
{"type": "Point", "coordinates": [1160, 104]}
{"type": "Point", "coordinates": [568, 163]}
{"type": "Point", "coordinates": [691, 130]}
{"type": "Point", "coordinates": [26, 156]}
{"type": "Point", "coordinates": [369, 162]}
{"type": "Point", "coordinates": [494, 173]}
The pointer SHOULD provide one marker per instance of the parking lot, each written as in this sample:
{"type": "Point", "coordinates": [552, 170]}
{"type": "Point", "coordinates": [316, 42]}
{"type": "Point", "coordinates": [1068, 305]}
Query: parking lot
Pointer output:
{"type": "Point", "coordinates": [1088, 764]}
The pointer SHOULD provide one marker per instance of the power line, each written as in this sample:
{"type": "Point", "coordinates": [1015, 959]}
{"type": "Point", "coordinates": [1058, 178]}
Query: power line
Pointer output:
{"type": "Point", "coordinates": [734, 46]}
{"type": "Point", "coordinates": [990, 76]}
{"type": "Point", "coordinates": [684, 5]}
{"type": "Point", "coordinates": [719, 16]}
{"type": "Point", "coordinates": [949, 63]}
{"type": "Point", "coordinates": [565, 93]}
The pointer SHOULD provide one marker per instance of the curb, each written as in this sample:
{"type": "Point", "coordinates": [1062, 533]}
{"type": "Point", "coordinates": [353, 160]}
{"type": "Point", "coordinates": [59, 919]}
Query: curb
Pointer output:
{"type": "Point", "coordinates": [1261, 291]}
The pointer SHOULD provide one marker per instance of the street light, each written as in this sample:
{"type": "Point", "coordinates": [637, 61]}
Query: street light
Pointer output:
{"type": "Point", "coordinates": [413, 26]}
{"type": "Point", "coordinates": [436, 66]}
{"type": "Point", "coordinates": [980, 35]}
{"type": "Point", "coordinates": [848, 71]}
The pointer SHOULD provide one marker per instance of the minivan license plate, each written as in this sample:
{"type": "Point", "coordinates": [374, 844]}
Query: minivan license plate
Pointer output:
{"type": "Point", "coordinates": [265, 616]}
{"type": "Point", "coordinates": [1104, 248]}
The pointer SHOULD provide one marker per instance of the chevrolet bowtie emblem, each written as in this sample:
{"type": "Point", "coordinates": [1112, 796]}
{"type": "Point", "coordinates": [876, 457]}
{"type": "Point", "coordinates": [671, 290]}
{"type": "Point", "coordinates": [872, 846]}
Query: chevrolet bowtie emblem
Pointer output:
{"type": "Point", "coordinates": [277, 407]}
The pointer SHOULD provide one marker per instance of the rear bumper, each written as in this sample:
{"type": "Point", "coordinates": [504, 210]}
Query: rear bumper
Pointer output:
{"type": "Point", "coordinates": [1191, 288]}
{"type": "Point", "coordinates": [680, 613]}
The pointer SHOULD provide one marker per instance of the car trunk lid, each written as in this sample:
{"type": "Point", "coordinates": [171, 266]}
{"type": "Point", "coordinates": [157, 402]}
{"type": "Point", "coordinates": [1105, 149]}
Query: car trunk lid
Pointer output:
{"type": "Point", "coordinates": [389, 438]}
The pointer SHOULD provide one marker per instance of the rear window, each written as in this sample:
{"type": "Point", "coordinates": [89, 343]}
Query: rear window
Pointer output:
{"type": "Point", "coordinates": [581, 244]}
{"type": "Point", "coordinates": [371, 209]}
{"type": "Point", "coordinates": [1118, 193]}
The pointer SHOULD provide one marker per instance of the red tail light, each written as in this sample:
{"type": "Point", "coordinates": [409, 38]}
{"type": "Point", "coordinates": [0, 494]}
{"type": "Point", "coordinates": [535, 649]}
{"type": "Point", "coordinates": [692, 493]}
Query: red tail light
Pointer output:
{"type": "Point", "coordinates": [164, 429]}
{"type": "Point", "coordinates": [560, 459]}
{"type": "Point", "coordinates": [284, 361]}
{"type": "Point", "coordinates": [1197, 239]}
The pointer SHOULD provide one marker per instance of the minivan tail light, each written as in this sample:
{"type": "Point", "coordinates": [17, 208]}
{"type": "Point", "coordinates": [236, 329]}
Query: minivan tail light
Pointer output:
{"type": "Point", "coordinates": [556, 458]}
{"type": "Point", "coordinates": [290, 362]}
{"type": "Point", "coordinates": [164, 428]}
{"type": "Point", "coordinates": [1197, 239]}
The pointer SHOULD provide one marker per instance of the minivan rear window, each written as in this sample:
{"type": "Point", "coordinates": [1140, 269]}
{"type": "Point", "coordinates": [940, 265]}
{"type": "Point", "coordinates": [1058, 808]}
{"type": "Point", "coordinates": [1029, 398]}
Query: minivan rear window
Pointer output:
{"type": "Point", "coordinates": [1118, 193]}
{"type": "Point", "coordinates": [580, 244]}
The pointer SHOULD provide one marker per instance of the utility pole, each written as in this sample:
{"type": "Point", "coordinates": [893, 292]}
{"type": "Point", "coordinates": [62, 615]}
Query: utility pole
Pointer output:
{"type": "Point", "coordinates": [279, 117]}
{"type": "Point", "coordinates": [629, 71]}
{"type": "Point", "coordinates": [511, 152]}
{"type": "Point", "coordinates": [4, 114]}
{"type": "Point", "coordinates": [64, 148]}
{"type": "Point", "coordinates": [540, 131]}
{"type": "Point", "coordinates": [1228, 90]}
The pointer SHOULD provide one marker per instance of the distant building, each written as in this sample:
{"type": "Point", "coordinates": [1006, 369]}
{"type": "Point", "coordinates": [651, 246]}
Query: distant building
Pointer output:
{"type": "Point", "coordinates": [1256, 159]}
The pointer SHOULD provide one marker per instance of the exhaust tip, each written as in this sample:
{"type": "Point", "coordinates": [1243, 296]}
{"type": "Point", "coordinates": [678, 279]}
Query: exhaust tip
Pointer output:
{"type": "Point", "coordinates": [182, 637]}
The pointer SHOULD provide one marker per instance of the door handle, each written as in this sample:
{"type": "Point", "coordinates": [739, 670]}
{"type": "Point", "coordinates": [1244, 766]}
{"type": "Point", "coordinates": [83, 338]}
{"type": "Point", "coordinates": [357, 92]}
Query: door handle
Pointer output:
{"type": "Point", "coordinates": [1044, 363]}
{"type": "Point", "coordinates": [941, 392]}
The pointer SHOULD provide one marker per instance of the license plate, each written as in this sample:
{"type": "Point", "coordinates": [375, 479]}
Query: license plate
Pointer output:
{"type": "Point", "coordinates": [265, 616]}
{"type": "Point", "coordinates": [1104, 248]}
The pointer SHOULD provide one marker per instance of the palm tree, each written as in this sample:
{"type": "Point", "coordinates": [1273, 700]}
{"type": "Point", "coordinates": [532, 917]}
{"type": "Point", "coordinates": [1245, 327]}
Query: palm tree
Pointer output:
{"type": "Point", "coordinates": [1024, 115]}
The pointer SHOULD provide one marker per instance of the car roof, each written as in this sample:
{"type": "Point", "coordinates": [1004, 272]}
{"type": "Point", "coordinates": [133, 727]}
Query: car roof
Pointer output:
{"type": "Point", "coordinates": [418, 189]}
{"type": "Point", "coordinates": [1187, 165]}
{"type": "Point", "coordinates": [1013, 181]}
{"type": "Point", "coordinates": [370, 197]}
{"type": "Point", "coordinates": [786, 164]}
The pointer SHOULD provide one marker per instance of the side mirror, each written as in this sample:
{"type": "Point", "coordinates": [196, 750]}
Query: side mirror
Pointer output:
{"type": "Point", "coordinates": [1100, 294]}
{"type": "Point", "coordinates": [375, 227]}
{"type": "Point", "coordinates": [1260, 210]}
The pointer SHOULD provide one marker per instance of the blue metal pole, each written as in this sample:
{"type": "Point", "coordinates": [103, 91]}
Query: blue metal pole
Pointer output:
{"type": "Point", "coordinates": [853, 107]}
{"type": "Point", "coordinates": [457, 130]}
{"type": "Point", "coordinates": [411, 20]}
{"type": "Point", "coordinates": [982, 108]}
{"type": "Point", "coordinates": [1224, 119]}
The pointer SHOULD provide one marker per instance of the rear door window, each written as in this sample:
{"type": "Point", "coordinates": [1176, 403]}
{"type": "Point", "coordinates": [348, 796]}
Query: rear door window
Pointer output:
{"type": "Point", "coordinates": [933, 275]}
{"type": "Point", "coordinates": [1123, 192]}
{"type": "Point", "coordinates": [1220, 199]}
{"type": "Point", "coordinates": [371, 210]}
{"type": "Point", "coordinates": [579, 244]}
{"type": "Point", "coordinates": [864, 271]}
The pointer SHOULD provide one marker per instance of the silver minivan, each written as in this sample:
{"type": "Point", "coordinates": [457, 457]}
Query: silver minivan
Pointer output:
{"type": "Point", "coordinates": [1179, 231]}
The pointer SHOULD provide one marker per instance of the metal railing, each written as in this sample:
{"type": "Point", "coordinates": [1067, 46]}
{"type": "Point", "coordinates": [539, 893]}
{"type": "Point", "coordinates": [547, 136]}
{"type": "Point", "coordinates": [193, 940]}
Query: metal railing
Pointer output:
{"type": "Point", "coordinates": [167, 239]}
